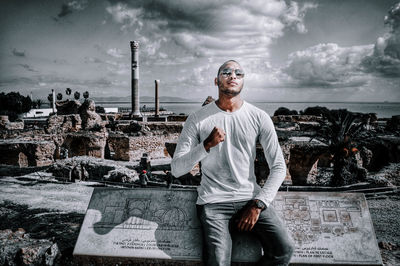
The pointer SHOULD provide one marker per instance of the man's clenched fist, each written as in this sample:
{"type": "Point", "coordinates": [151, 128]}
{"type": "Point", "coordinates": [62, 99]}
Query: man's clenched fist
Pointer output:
{"type": "Point", "coordinates": [216, 136]}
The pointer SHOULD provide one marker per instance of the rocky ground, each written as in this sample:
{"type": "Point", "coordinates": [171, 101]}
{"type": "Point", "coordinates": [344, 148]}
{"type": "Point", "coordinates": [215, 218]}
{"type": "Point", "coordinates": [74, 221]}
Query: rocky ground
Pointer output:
{"type": "Point", "coordinates": [48, 209]}
{"type": "Point", "coordinates": [385, 213]}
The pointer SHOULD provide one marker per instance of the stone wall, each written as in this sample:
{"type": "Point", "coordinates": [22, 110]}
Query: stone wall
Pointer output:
{"type": "Point", "coordinates": [26, 153]}
{"type": "Point", "coordinates": [119, 145]}
{"type": "Point", "coordinates": [164, 127]}
{"type": "Point", "coordinates": [85, 143]}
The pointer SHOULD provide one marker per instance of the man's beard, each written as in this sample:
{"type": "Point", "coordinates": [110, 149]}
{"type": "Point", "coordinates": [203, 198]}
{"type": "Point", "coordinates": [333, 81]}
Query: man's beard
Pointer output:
{"type": "Point", "coordinates": [229, 92]}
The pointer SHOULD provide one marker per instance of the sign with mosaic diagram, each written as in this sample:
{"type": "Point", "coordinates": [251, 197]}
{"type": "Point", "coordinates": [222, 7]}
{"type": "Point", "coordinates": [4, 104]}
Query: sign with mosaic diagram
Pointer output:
{"type": "Point", "coordinates": [327, 228]}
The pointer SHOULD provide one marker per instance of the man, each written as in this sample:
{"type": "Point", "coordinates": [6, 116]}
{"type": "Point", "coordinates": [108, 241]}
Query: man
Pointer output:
{"type": "Point", "coordinates": [223, 136]}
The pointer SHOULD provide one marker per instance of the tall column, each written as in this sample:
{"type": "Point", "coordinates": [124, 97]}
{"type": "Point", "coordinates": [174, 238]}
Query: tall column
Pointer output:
{"type": "Point", "coordinates": [135, 79]}
{"type": "Point", "coordinates": [157, 101]}
{"type": "Point", "coordinates": [54, 100]}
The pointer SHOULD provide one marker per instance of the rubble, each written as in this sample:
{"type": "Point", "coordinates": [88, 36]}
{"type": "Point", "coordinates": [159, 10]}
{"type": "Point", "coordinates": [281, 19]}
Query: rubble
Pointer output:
{"type": "Point", "coordinates": [58, 124]}
{"type": "Point", "coordinates": [17, 248]}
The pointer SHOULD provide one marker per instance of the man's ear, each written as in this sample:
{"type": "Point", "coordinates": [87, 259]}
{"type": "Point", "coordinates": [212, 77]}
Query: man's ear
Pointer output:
{"type": "Point", "coordinates": [216, 82]}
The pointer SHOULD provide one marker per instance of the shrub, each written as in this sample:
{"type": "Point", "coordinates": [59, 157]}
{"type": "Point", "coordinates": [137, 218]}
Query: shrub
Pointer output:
{"type": "Point", "coordinates": [14, 103]}
{"type": "Point", "coordinates": [285, 111]}
{"type": "Point", "coordinates": [100, 109]}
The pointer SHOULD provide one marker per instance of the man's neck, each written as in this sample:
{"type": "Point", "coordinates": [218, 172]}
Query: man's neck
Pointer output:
{"type": "Point", "coordinates": [229, 104]}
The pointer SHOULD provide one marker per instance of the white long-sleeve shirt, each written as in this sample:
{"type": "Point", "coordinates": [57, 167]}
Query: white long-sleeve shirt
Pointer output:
{"type": "Point", "coordinates": [228, 168]}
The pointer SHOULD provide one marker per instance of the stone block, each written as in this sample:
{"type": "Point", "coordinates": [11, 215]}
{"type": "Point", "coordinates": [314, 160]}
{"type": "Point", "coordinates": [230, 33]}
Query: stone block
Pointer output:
{"type": "Point", "coordinates": [120, 145]}
{"type": "Point", "coordinates": [26, 152]}
{"type": "Point", "coordinates": [160, 226]}
{"type": "Point", "coordinates": [85, 143]}
{"type": "Point", "coordinates": [303, 155]}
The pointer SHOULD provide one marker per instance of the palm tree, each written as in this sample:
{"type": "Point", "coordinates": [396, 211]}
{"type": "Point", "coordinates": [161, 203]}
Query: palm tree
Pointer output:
{"type": "Point", "coordinates": [339, 129]}
{"type": "Point", "coordinates": [50, 98]}
{"type": "Point", "coordinates": [39, 103]}
{"type": "Point", "coordinates": [77, 95]}
{"type": "Point", "coordinates": [68, 91]}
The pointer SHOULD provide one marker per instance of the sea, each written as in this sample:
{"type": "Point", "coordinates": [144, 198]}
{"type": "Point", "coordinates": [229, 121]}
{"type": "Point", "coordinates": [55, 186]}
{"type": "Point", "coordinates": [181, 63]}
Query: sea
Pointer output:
{"type": "Point", "coordinates": [381, 109]}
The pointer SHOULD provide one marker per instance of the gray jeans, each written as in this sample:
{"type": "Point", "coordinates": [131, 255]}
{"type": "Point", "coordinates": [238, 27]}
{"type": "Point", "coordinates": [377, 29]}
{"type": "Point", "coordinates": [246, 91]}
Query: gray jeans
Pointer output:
{"type": "Point", "coordinates": [219, 221]}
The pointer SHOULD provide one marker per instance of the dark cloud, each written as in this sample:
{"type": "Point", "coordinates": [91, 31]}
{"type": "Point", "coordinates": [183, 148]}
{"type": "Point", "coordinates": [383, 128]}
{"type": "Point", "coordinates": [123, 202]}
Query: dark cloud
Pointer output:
{"type": "Point", "coordinates": [65, 10]}
{"type": "Point", "coordinates": [205, 28]}
{"type": "Point", "coordinates": [18, 53]}
{"type": "Point", "coordinates": [181, 15]}
{"type": "Point", "coordinates": [386, 56]}
{"type": "Point", "coordinates": [70, 7]}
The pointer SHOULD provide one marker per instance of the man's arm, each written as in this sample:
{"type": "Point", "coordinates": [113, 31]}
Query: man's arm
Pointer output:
{"type": "Point", "coordinates": [189, 151]}
{"type": "Point", "coordinates": [276, 162]}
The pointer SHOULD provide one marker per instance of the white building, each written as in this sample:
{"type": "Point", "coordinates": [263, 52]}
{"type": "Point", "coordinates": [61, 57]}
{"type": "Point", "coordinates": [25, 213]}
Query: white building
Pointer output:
{"type": "Point", "coordinates": [38, 113]}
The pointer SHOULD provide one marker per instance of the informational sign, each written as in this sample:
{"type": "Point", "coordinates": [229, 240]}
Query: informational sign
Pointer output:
{"type": "Point", "coordinates": [161, 224]}
{"type": "Point", "coordinates": [329, 228]}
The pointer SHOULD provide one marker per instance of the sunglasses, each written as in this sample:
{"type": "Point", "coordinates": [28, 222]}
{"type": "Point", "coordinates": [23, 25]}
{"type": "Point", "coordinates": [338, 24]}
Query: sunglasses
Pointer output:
{"type": "Point", "coordinates": [227, 72]}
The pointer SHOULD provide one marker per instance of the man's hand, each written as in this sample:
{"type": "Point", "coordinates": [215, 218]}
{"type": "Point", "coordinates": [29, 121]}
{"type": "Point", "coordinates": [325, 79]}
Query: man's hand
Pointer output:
{"type": "Point", "coordinates": [216, 136]}
{"type": "Point", "coordinates": [248, 218]}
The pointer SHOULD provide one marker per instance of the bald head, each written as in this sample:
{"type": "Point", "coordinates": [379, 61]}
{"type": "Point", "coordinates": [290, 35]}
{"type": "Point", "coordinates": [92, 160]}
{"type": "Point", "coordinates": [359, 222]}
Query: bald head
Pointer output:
{"type": "Point", "coordinates": [225, 64]}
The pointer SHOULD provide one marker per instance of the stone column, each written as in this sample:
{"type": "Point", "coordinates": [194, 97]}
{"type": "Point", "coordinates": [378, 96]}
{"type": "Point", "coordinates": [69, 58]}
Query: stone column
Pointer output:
{"type": "Point", "coordinates": [157, 101]}
{"type": "Point", "coordinates": [53, 104]}
{"type": "Point", "coordinates": [135, 79]}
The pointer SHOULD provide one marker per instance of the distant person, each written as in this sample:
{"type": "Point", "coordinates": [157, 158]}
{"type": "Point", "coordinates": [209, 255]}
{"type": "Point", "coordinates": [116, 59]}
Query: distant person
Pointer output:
{"type": "Point", "coordinates": [223, 136]}
{"type": "Point", "coordinates": [143, 178]}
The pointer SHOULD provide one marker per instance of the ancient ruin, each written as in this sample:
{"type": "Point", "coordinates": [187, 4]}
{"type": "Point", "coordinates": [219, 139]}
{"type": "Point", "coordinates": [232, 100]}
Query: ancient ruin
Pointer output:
{"type": "Point", "coordinates": [81, 145]}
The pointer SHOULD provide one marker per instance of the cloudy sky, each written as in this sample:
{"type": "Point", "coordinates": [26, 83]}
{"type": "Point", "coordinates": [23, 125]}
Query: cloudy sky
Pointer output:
{"type": "Point", "coordinates": [304, 50]}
